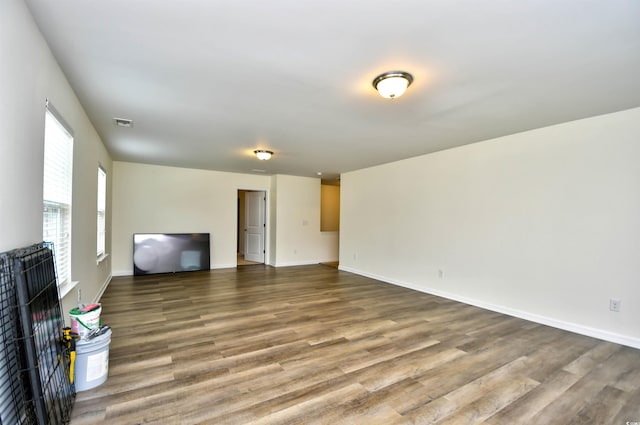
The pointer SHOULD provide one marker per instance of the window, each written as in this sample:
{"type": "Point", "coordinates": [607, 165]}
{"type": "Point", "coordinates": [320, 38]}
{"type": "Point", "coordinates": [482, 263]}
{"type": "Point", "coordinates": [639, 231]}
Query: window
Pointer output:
{"type": "Point", "coordinates": [58, 169]}
{"type": "Point", "coordinates": [102, 208]}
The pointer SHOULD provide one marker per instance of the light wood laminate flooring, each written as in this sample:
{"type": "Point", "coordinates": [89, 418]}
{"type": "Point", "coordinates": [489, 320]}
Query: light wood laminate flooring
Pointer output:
{"type": "Point", "coordinates": [315, 345]}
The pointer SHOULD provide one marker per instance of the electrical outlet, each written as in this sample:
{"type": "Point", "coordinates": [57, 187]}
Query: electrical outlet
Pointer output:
{"type": "Point", "coordinates": [614, 304]}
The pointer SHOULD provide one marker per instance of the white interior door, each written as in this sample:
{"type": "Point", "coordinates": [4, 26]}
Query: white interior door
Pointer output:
{"type": "Point", "coordinates": [254, 232]}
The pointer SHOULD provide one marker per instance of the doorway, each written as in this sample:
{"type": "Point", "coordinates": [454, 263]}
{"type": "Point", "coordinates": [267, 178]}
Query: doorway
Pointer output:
{"type": "Point", "coordinates": [251, 227]}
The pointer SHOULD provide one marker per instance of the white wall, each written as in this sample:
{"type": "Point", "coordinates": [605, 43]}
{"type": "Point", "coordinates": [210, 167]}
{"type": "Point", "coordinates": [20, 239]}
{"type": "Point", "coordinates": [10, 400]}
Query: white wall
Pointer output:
{"type": "Point", "coordinates": [158, 199]}
{"type": "Point", "coordinates": [543, 224]}
{"type": "Point", "coordinates": [29, 75]}
{"type": "Point", "coordinates": [298, 237]}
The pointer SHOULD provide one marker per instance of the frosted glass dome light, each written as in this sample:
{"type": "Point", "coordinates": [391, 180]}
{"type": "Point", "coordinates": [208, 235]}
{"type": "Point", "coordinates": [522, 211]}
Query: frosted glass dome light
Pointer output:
{"type": "Point", "coordinates": [263, 155]}
{"type": "Point", "coordinates": [392, 84]}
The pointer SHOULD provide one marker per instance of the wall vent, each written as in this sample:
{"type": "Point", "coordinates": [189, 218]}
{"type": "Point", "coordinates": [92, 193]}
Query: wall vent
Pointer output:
{"type": "Point", "coordinates": [123, 122]}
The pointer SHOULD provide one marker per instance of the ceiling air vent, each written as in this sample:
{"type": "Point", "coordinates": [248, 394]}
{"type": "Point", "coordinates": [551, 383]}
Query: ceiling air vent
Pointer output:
{"type": "Point", "coordinates": [123, 122]}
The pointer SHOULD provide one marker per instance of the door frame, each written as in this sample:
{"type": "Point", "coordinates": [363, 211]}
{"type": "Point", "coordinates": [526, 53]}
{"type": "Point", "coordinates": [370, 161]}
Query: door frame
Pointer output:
{"type": "Point", "coordinates": [267, 217]}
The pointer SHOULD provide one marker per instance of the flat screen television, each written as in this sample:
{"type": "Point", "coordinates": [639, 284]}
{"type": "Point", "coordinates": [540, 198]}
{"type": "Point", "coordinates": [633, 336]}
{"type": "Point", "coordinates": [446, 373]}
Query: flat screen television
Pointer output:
{"type": "Point", "coordinates": [170, 252]}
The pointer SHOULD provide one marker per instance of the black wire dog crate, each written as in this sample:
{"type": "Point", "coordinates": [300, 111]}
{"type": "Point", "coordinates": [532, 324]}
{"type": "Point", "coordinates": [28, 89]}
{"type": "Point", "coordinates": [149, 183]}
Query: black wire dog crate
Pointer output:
{"type": "Point", "coordinates": [34, 375]}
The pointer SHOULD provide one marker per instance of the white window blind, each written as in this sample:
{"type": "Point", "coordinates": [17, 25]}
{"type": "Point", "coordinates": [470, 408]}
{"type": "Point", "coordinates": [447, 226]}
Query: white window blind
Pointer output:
{"type": "Point", "coordinates": [58, 170]}
{"type": "Point", "coordinates": [102, 208]}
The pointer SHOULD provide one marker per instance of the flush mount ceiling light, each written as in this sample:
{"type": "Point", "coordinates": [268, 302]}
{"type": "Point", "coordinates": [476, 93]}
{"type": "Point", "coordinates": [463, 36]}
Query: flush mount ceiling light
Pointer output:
{"type": "Point", "coordinates": [392, 84]}
{"type": "Point", "coordinates": [262, 154]}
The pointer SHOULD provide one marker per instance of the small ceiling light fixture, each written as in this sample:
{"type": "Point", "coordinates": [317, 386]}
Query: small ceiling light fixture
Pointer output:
{"type": "Point", "coordinates": [392, 84]}
{"type": "Point", "coordinates": [262, 154]}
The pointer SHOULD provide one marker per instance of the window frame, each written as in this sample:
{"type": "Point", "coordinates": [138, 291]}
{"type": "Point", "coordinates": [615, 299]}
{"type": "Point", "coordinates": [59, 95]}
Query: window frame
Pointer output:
{"type": "Point", "coordinates": [57, 192]}
{"type": "Point", "coordinates": [101, 224]}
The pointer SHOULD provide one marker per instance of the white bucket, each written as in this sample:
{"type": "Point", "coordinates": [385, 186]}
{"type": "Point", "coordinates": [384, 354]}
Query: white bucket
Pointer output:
{"type": "Point", "coordinates": [83, 322]}
{"type": "Point", "coordinates": [92, 362]}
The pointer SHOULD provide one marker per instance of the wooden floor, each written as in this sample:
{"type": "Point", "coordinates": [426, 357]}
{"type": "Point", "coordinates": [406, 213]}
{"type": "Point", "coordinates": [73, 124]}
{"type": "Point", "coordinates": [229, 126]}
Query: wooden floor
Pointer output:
{"type": "Point", "coordinates": [314, 345]}
{"type": "Point", "coordinates": [242, 262]}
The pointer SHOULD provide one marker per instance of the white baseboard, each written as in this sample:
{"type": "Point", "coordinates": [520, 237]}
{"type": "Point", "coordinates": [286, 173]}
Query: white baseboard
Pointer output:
{"type": "Point", "coordinates": [328, 261]}
{"type": "Point", "coordinates": [296, 263]}
{"type": "Point", "coordinates": [102, 289]}
{"type": "Point", "coordinates": [223, 266]}
{"type": "Point", "coordinates": [544, 320]}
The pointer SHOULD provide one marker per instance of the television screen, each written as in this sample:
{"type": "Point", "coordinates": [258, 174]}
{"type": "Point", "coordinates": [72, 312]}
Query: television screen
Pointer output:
{"type": "Point", "coordinates": [170, 252]}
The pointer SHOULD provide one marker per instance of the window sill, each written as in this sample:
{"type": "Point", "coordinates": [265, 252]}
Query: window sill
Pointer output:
{"type": "Point", "coordinates": [101, 259]}
{"type": "Point", "coordinates": [67, 287]}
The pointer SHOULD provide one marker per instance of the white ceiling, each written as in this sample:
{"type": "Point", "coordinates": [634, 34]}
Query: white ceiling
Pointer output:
{"type": "Point", "coordinates": [207, 82]}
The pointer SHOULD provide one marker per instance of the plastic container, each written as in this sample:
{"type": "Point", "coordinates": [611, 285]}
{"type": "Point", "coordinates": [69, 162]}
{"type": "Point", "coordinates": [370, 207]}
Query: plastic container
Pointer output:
{"type": "Point", "coordinates": [92, 362]}
{"type": "Point", "coordinates": [83, 322]}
